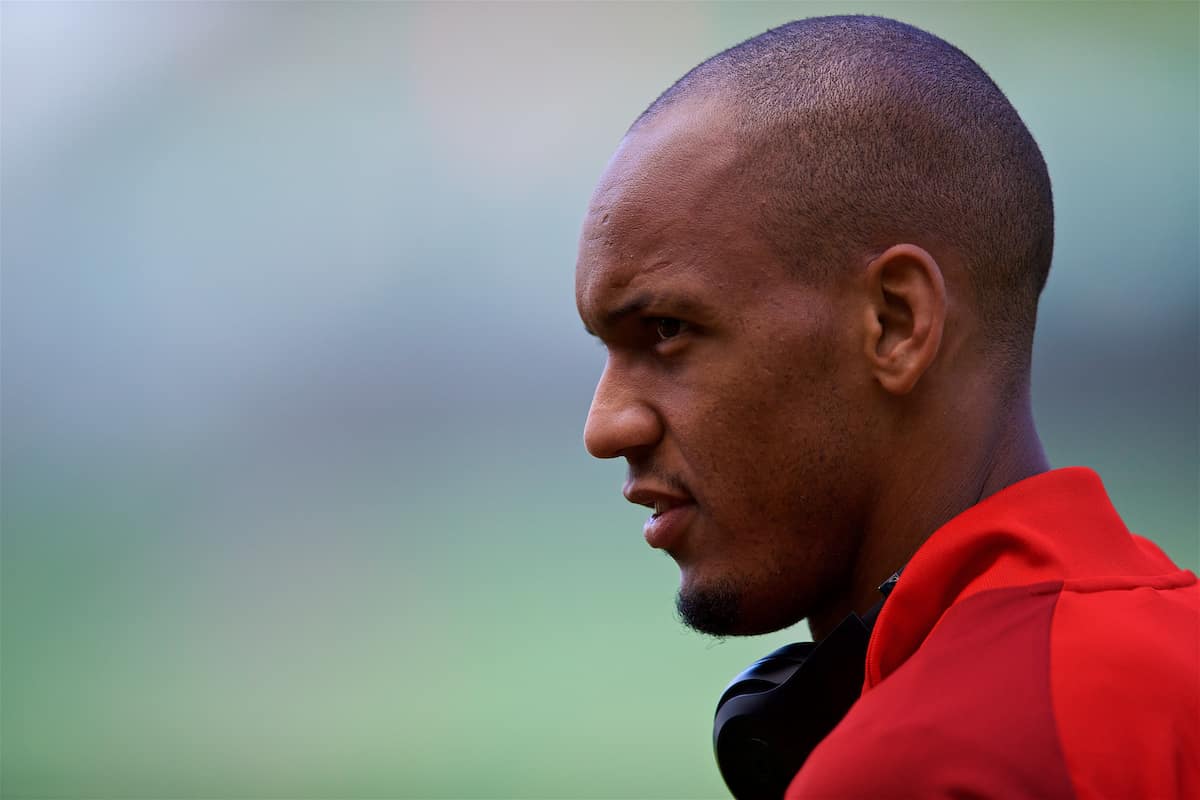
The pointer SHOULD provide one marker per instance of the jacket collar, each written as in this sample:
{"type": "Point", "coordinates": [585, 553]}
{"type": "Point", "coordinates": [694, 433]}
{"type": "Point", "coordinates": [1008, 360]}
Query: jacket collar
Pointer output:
{"type": "Point", "coordinates": [1056, 526]}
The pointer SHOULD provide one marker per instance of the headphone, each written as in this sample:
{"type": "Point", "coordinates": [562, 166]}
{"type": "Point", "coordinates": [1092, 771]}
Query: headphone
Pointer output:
{"type": "Point", "coordinates": [777, 710]}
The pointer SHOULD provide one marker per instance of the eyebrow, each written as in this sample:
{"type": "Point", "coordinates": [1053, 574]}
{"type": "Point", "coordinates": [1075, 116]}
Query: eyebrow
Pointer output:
{"type": "Point", "coordinates": [682, 304]}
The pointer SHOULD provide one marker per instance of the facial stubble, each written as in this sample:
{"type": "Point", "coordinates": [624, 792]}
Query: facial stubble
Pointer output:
{"type": "Point", "coordinates": [712, 610]}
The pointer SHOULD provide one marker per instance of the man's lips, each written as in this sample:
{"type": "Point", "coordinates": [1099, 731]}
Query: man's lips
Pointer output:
{"type": "Point", "coordinates": [664, 530]}
{"type": "Point", "coordinates": [673, 512]}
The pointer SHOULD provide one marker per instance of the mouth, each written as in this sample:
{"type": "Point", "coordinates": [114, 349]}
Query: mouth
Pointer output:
{"type": "Point", "coordinates": [664, 505]}
{"type": "Point", "coordinates": [673, 512]}
{"type": "Point", "coordinates": [657, 498]}
{"type": "Point", "coordinates": [664, 529]}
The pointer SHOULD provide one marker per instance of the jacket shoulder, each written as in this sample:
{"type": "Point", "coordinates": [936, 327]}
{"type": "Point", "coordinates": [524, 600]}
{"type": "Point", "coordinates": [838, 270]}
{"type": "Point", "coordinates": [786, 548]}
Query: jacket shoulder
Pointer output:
{"type": "Point", "coordinates": [969, 714]}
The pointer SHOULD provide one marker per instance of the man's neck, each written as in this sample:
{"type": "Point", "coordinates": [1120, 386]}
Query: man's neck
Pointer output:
{"type": "Point", "coordinates": [943, 479]}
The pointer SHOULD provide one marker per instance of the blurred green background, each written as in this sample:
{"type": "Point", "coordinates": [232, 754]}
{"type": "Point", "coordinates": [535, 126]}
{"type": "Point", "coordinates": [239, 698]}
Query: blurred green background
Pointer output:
{"type": "Point", "coordinates": [295, 502]}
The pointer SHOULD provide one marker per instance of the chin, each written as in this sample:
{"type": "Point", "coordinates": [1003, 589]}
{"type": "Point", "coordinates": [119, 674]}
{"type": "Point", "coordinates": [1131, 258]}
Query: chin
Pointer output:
{"type": "Point", "coordinates": [723, 608]}
{"type": "Point", "coordinates": [729, 607]}
{"type": "Point", "coordinates": [710, 609]}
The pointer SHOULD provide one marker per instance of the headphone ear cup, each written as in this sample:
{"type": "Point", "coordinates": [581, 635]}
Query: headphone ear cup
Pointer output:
{"type": "Point", "coordinates": [778, 710]}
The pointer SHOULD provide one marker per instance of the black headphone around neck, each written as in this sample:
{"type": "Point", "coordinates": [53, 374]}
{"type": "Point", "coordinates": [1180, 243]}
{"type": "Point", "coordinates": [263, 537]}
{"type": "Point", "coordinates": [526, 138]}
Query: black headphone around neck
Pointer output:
{"type": "Point", "coordinates": [777, 710]}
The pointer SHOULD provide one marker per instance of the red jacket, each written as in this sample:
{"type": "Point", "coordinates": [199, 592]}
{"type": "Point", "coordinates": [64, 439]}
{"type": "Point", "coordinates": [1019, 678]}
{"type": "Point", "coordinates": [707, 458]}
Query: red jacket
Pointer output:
{"type": "Point", "coordinates": [1033, 648]}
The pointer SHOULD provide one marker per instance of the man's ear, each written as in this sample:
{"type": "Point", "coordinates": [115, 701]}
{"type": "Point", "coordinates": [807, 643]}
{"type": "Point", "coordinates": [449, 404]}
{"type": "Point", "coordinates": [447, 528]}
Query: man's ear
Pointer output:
{"type": "Point", "coordinates": [905, 315]}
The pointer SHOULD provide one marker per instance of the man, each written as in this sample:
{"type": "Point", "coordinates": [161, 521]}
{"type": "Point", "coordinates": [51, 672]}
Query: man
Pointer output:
{"type": "Point", "coordinates": [815, 262]}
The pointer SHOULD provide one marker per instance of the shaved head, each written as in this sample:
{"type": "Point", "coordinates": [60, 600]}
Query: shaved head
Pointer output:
{"type": "Point", "coordinates": [860, 132]}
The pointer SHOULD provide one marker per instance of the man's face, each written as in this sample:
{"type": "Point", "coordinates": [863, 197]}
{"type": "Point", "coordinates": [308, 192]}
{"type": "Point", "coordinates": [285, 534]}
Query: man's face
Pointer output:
{"type": "Point", "coordinates": [730, 386]}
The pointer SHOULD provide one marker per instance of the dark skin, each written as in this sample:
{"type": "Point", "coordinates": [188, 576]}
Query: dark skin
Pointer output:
{"type": "Point", "coordinates": [808, 436]}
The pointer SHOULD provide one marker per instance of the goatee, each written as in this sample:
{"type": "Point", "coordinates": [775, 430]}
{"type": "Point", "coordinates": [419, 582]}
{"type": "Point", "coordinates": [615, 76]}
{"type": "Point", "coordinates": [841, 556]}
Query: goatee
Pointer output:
{"type": "Point", "coordinates": [710, 609]}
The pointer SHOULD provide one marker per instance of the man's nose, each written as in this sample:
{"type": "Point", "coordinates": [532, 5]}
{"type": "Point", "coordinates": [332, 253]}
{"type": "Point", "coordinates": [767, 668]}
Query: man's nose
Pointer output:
{"type": "Point", "coordinates": [619, 422]}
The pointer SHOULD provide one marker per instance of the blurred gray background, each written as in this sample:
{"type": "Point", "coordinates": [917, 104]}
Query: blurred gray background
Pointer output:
{"type": "Point", "coordinates": [295, 502]}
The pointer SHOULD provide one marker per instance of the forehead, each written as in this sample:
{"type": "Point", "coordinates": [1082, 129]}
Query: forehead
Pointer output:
{"type": "Point", "coordinates": [671, 209]}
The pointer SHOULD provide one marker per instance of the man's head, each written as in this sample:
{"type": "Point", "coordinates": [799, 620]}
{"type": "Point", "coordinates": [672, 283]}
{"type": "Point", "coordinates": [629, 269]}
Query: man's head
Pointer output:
{"type": "Point", "coordinates": [802, 258]}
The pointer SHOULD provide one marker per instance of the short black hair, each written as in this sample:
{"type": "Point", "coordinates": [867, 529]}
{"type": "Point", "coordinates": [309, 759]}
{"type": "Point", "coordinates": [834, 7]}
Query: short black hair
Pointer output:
{"type": "Point", "coordinates": [862, 132]}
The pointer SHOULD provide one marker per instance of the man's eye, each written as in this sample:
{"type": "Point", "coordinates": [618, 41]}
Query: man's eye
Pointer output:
{"type": "Point", "coordinates": [669, 328]}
